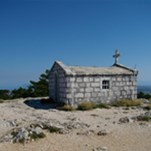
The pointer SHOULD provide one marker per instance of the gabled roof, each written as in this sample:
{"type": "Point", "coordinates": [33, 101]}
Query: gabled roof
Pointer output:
{"type": "Point", "coordinates": [115, 69]}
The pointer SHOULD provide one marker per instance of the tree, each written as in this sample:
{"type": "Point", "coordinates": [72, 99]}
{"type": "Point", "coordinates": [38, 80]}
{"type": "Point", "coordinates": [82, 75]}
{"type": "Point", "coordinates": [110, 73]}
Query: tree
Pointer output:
{"type": "Point", "coordinates": [143, 95]}
{"type": "Point", "coordinates": [4, 94]}
{"type": "Point", "coordinates": [19, 93]}
{"type": "Point", "coordinates": [39, 88]}
{"type": "Point", "coordinates": [35, 89]}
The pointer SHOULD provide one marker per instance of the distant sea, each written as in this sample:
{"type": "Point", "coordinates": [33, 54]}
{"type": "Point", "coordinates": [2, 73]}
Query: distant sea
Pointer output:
{"type": "Point", "coordinates": [145, 89]}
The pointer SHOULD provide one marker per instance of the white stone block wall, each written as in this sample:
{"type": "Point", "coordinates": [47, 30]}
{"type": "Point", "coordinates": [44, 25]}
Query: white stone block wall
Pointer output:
{"type": "Point", "coordinates": [90, 88]}
{"type": "Point", "coordinates": [76, 89]}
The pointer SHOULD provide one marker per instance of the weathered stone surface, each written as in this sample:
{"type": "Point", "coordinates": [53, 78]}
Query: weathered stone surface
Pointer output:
{"type": "Point", "coordinates": [95, 85]}
{"type": "Point", "coordinates": [74, 84]}
{"type": "Point", "coordinates": [89, 90]}
{"type": "Point", "coordinates": [124, 120]}
{"type": "Point", "coordinates": [87, 95]}
{"type": "Point", "coordinates": [100, 149]}
{"type": "Point", "coordinates": [143, 117]}
{"type": "Point", "coordinates": [102, 132]}
{"type": "Point", "coordinates": [79, 95]}
{"type": "Point", "coordinates": [79, 80]}
{"type": "Point", "coordinates": [86, 79]}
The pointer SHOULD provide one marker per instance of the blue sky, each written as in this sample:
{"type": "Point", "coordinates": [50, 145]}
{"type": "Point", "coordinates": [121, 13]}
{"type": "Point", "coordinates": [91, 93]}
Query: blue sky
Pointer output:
{"type": "Point", "coordinates": [35, 33]}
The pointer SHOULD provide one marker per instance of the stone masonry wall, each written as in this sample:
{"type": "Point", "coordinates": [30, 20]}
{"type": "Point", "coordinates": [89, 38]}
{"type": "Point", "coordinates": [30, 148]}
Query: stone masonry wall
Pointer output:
{"type": "Point", "coordinates": [57, 90]}
{"type": "Point", "coordinates": [89, 88]}
{"type": "Point", "coordinates": [76, 89]}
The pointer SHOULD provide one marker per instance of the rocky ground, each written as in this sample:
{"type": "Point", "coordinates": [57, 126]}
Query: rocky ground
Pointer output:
{"type": "Point", "coordinates": [114, 129]}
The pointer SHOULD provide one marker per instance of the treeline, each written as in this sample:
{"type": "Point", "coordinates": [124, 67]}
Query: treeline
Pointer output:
{"type": "Point", "coordinates": [39, 89]}
{"type": "Point", "coordinates": [144, 95]}
{"type": "Point", "coordinates": [35, 89]}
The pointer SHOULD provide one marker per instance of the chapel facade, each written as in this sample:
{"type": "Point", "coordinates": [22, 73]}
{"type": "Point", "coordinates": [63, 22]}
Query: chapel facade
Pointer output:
{"type": "Point", "coordinates": [76, 84]}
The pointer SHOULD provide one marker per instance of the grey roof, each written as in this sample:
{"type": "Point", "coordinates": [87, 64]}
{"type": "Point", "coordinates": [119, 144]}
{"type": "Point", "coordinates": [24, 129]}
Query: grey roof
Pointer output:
{"type": "Point", "coordinates": [115, 69]}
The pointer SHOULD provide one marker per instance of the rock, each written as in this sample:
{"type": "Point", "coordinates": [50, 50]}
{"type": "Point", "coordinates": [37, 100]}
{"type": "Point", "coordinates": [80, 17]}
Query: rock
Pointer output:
{"type": "Point", "coordinates": [21, 136]}
{"type": "Point", "coordinates": [124, 120]}
{"type": "Point", "coordinates": [143, 117]}
{"type": "Point", "coordinates": [24, 134]}
{"type": "Point", "coordinates": [86, 133]}
{"type": "Point", "coordinates": [100, 149]}
{"type": "Point", "coordinates": [7, 138]}
{"type": "Point", "coordinates": [64, 131]}
{"type": "Point", "coordinates": [148, 114]}
{"type": "Point", "coordinates": [75, 125]}
{"type": "Point", "coordinates": [5, 123]}
{"type": "Point", "coordinates": [37, 130]}
{"type": "Point", "coordinates": [102, 132]}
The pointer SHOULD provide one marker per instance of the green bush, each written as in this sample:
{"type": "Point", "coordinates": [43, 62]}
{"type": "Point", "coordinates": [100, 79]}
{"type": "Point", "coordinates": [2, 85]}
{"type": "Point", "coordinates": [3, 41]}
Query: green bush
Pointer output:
{"type": "Point", "coordinates": [86, 106]}
{"type": "Point", "coordinates": [127, 103]}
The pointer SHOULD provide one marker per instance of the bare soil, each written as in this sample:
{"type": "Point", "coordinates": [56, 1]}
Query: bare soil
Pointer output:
{"type": "Point", "coordinates": [130, 136]}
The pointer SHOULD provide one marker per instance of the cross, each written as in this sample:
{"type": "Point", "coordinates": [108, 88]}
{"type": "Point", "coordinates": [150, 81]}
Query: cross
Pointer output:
{"type": "Point", "coordinates": [116, 56]}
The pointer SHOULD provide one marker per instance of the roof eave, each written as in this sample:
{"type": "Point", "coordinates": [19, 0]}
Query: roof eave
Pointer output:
{"type": "Point", "coordinates": [124, 67]}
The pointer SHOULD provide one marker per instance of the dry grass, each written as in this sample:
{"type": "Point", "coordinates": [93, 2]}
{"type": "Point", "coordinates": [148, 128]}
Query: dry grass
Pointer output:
{"type": "Point", "coordinates": [127, 103]}
{"type": "Point", "coordinates": [102, 106]}
{"type": "Point", "coordinates": [86, 106]}
{"type": "Point", "coordinates": [1, 101]}
{"type": "Point", "coordinates": [66, 107]}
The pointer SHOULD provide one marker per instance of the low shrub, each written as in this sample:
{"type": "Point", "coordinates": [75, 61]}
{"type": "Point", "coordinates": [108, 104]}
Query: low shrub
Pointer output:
{"type": "Point", "coordinates": [1, 101]}
{"type": "Point", "coordinates": [148, 107]}
{"type": "Point", "coordinates": [144, 118]}
{"type": "Point", "coordinates": [54, 129]}
{"type": "Point", "coordinates": [102, 106]}
{"type": "Point", "coordinates": [66, 108]}
{"type": "Point", "coordinates": [36, 136]}
{"type": "Point", "coordinates": [23, 139]}
{"type": "Point", "coordinates": [86, 106]}
{"type": "Point", "coordinates": [127, 103]}
{"type": "Point", "coordinates": [14, 134]}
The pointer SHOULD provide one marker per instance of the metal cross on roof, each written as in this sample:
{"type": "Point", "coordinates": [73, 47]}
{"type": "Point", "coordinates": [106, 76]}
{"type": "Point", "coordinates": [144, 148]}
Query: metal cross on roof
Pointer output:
{"type": "Point", "coordinates": [116, 56]}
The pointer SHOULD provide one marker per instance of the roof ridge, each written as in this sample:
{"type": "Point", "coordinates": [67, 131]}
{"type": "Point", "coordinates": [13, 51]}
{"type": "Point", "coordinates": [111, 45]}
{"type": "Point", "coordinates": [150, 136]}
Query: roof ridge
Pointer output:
{"type": "Point", "coordinates": [122, 66]}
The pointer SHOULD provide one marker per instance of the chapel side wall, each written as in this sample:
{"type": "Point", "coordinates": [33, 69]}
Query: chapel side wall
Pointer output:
{"type": "Point", "coordinates": [57, 72]}
{"type": "Point", "coordinates": [89, 88]}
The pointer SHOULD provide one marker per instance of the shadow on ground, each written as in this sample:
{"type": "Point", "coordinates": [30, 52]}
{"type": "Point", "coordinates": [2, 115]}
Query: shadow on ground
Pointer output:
{"type": "Point", "coordinates": [38, 104]}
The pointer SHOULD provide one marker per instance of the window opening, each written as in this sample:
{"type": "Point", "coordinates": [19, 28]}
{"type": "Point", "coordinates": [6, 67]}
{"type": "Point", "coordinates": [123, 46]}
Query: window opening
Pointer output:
{"type": "Point", "coordinates": [105, 84]}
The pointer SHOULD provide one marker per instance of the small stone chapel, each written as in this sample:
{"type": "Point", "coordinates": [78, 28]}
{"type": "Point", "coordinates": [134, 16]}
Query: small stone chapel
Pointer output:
{"type": "Point", "coordinates": [75, 84]}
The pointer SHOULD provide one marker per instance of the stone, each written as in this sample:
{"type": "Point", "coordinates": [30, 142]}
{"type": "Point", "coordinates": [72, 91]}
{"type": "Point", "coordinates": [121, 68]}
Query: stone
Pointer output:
{"type": "Point", "coordinates": [100, 149]}
{"type": "Point", "coordinates": [79, 95]}
{"type": "Point", "coordinates": [87, 94]}
{"type": "Point", "coordinates": [86, 79]}
{"type": "Point", "coordinates": [97, 79]}
{"type": "Point", "coordinates": [124, 120]}
{"type": "Point", "coordinates": [95, 85]}
{"type": "Point", "coordinates": [143, 117]}
{"type": "Point", "coordinates": [89, 90]}
{"type": "Point", "coordinates": [79, 79]}
{"type": "Point", "coordinates": [82, 85]}
{"type": "Point", "coordinates": [37, 130]}
{"type": "Point", "coordinates": [147, 114]}
{"type": "Point", "coordinates": [102, 132]}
